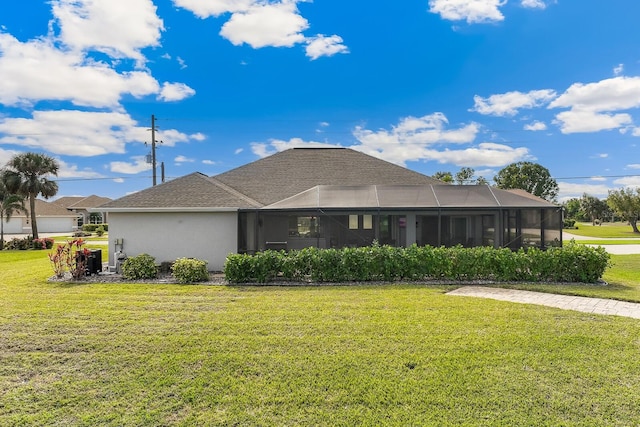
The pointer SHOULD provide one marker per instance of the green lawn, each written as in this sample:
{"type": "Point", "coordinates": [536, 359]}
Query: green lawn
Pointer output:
{"type": "Point", "coordinates": [609, 230]}
{"type": "Point", "coordinates": [609, 242]}
{"type": "Point", "coordinates": [107, 354]}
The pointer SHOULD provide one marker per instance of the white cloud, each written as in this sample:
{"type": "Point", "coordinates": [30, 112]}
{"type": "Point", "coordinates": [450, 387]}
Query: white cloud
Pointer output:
{"type": "Point", "coordinates": [618, 70]}
{"type": "Point", "coordinates": [508, 104]}
{"type": "Point", "coordinates": [535, 126]}
{"type": "Point", "coordinates": [473, 11]}
{"type": "Point", "coordinates": [325, 46]}
{"type": "Point", "coordinates": [634, 166]}
{"type": "Point", "coordinates": [485, 154]}
{"type": "Point", "coordinates": [598, 178]}
{"type": "Point", "coordinates": [138, 165]}
{"type": "Point", "coordinates": [238, 150]}
{"type": "Point", "coordinates": [89, 25]}
{"type": "Point", "coordinates": [613, 94]}
{"type": "Point", "coordinates": [416, 139]}
{"type": "Point", "coordinates": [593, 106]}
{"type": "Point", "coordinates": [6, 155]}
{"type": "Point", "coordinates": [209, 162]}
{"type": "Point", "coordinates": [575, 121]}
{"type": "Point", "coordinates": [261, 23]}
{"type": "Point", "coordinates": [533, 4]}
{"type": "Point", "coordinates": [95, 84]}
{"type": "Point", "coordinates": [71, 171]}
{"type": "Point", "coordinates": [276, 145]}
{"type": "Point", "coordinates": [409, 139]}
{"type": "Point", "coordinates": [266, 24]}
{"type": "Point", "coordinates": [629, 181]}
{"type": "Point", "coordinates": [175, 92]}
{"type": "Point", "coordinates": [602, 155]}
{"type": "Point", "coordinates": [568, 190]}
{"type": "Point", "coordinates": [80, 133]}
{"type": "Point", "coordinates": [183, 159]}
{"type": "Point", "coordinates": [207, 8]}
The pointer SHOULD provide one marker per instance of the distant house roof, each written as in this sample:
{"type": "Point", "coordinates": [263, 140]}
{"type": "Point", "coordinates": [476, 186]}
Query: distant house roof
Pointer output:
{"type": "Point", "coordinates": [403, 196]}
{"type": "Point", "coordinates": [46, 209]}
{"type": "Point", "coordinates": [81, 202]}
{"type": "Point", "coordinates": [89, 202]}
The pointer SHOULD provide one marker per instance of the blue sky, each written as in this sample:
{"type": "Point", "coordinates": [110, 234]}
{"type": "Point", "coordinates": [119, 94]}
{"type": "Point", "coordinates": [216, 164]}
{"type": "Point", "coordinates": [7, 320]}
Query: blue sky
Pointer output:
{"type": "Point", "coordinates": [433, 85]}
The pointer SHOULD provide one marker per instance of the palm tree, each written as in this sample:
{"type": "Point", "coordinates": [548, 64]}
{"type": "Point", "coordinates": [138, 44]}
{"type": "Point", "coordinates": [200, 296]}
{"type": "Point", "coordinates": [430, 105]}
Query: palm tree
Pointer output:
{"type": "Point", "coordinates": [9, 204]}
{"type": "Point", "coordinates": [26, 174]}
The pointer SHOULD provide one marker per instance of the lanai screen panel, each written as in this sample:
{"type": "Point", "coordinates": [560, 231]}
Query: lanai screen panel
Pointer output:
{"type": "Point", "coordinates": [404, 196]}
{"type": "Point", "coordinates": [336, 196]}
{"type": "Point", "coordinates": [468, 196]}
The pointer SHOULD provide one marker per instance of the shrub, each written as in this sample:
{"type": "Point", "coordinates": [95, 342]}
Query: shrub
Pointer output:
{"type": "Point", "coordinates": [100, 231]}
{"type": "Point", "coordinates": [141, 266]}
{"type": "Point", "coordinates": [569, 223]}
{"type": "Point", "coordinates": [46, 243]}
{"type": "Point", "coordinates": [190, 270]}
{"type": "Point", "coordinates": [70, 256]}
{"type": "Point", "coordinates": [92, 228]}
{"type": "Point", "coordinates": [20, 244]}
{"type": "Point", "coordinates": [572, 263]}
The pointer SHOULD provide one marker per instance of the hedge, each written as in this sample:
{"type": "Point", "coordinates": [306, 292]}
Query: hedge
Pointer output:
{"type": "Point", "coordinates": [92, 228]}
{"type": "Point", "coordinates": [571, 263]}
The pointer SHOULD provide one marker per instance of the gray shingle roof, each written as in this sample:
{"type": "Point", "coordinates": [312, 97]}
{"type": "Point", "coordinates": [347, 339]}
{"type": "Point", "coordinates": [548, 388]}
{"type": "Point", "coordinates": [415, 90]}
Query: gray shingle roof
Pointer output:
{"type": "Point", "coordinates": [290, 172]}
{"type": "Point", "coordinates": [89, 202]}
{"type": "Point", "coordinates": [298, 177]}
{"type": "Point", "coordinates": [191, 191]}
{"type": "Point", "coordinates": [46, 209]}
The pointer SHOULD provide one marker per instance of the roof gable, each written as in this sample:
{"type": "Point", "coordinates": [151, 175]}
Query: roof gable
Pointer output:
{"type": "Point", "coordinates": [191, 191]}
{"type": "Point", "coordinates": [292, 171]}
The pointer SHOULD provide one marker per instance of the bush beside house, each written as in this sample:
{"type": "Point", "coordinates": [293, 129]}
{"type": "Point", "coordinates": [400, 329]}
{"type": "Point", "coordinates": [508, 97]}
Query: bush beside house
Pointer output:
{"type": "Point", "coordinates": [572, 263]}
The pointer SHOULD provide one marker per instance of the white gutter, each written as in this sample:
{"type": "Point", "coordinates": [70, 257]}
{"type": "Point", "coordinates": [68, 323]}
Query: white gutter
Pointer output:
{"type": "Point", "coordinates": [170, 210]}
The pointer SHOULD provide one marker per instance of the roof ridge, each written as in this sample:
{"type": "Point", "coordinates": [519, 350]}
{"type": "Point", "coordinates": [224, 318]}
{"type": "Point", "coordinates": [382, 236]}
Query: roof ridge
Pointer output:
{"type": "Point", "coordinates": [233, 191]}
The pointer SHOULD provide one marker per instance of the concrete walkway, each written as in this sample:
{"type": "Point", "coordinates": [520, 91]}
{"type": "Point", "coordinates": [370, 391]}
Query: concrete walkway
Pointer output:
{"type": "Point", "coordinates": [565, 302]}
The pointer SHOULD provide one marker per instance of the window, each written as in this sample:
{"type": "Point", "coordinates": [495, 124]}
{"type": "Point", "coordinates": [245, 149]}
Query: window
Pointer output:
{"type": "Point", "coordinates": [367, 222]}
{"type": "Point", "coordinates": [353, 222]}
{"type": "Point", "coordinates": [303, 226]}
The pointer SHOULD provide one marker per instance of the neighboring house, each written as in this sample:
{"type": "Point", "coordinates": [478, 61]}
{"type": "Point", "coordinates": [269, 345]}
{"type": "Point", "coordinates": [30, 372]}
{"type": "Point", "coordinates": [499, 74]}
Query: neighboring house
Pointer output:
{"type": "Point", "coordinates": [81, 206]}
{"type": "Point", "coordinates": [324, 198]}
{"type": "Point", "coordinates": [51, 217]}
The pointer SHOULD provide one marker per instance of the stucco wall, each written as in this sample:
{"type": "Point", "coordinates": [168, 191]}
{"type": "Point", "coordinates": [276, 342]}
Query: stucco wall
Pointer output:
{"type": "Point", "coordinates": [209, 236]}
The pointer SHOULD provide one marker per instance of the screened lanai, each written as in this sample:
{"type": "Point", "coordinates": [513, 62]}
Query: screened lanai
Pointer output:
{"type": "Point", "coordinates": [330, 216]}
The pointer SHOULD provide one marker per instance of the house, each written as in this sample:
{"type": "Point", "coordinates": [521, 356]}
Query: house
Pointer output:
{"type": "Point", "coordinates": [51, 218]}
{"type": "Point", "coordinates": [323, 197]}
{"type": "Point", "coordinates": [81, 205]}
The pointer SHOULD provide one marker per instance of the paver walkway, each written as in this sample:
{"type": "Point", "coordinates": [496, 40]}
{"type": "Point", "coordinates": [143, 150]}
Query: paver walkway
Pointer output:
{"type": "Point", "coordinates": [566, 302]}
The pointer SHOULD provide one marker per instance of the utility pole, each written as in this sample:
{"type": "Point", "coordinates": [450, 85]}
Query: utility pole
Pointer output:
{"type": "Point", "coordinates": [153, 147]}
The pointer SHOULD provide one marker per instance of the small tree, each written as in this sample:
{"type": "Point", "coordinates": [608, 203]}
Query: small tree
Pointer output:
{"type": "Point", "coordinates": [626, 203]}
{"type": "Point", "coordinates": [26, 175]}
{"type": "Point", "coordinates": [443, 176]}
{"type": "Point", "coordinates": [464, 176]}
{"type": "Point", "coordinates": [592, 207]}
{"type": "Point", "coordinates": [9, 204]}
{"type": "Point", "coordinates": [530, 177]}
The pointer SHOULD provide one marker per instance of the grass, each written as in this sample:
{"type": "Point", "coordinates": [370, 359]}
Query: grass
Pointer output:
{"type": "Point", "coordinates": [87, 354]}
{"type": "Point", "coordinates": [609, 242]}
{"type": "Point", "coordinates": [607, 230]}
{"type": "Point", "coordinates": [623, 282]}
